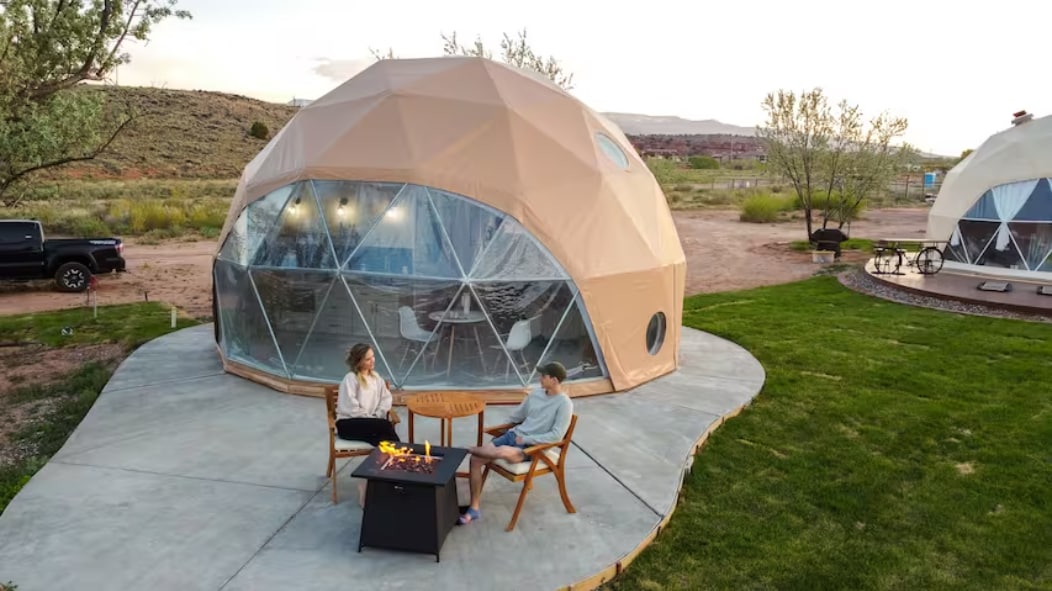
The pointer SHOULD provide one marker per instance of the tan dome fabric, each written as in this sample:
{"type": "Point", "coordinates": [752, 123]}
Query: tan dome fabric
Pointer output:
{"type": "Point", "coordinates": [515, 141]}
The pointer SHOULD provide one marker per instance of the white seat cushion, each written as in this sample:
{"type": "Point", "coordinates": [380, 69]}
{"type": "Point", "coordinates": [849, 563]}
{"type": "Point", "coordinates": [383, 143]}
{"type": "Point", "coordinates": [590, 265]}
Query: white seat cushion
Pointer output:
{"type": "Point", "coordinates": [524, 467]}
{"type": "Point", "coordinates": [349, 445]}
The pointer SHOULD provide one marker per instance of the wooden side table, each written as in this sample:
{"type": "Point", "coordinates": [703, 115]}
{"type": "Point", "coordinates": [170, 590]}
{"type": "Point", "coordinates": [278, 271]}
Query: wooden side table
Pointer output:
{"type": "Point", "coordinates": [446, 406]}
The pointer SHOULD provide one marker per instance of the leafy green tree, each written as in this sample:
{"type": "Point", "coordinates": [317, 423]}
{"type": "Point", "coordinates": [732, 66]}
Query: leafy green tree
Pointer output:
{"type": "Point", "coordinates": [48, 48]}
{"type": "Point", "coordinates": [515, 51]}
{"type": "Point", "coordinates": [833, 159]}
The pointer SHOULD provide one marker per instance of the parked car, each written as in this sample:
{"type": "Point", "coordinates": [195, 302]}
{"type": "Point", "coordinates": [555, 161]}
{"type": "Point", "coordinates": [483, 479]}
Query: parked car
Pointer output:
{"type": "Point", "coordinates": [25, 255]}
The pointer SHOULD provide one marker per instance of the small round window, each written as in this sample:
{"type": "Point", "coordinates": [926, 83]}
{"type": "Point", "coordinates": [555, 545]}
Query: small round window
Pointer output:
{"type": "Point", "coordinates": [612, 150]}
{"type": "Point", "coordinates": [656, 333]}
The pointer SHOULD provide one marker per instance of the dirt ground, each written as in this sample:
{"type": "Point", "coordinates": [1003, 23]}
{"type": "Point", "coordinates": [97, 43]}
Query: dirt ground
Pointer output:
{"type": "Point", "coordinates": [722, 254]}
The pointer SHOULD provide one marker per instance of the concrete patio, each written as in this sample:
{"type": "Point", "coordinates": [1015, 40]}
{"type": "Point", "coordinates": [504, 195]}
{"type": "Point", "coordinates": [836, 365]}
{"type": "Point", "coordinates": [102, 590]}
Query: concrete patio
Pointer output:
{"type": "Point", "coordinates": [183, 477]}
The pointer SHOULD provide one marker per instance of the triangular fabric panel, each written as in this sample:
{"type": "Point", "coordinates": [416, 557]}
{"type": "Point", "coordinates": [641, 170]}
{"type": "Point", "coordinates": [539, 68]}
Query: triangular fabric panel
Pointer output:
{"type": "Point", "coordinates": [292, 300]}
{"type": "Point", "coordinates": [253, 225]}
{"type": "Point", "coordinates": [407, 240]}
{"type": "Point", "coordinates": [1011, 197]}
{"type": "Point", "coordinates": [351, 208]}
{"type": "Point", "coordinates": [299, 240]}
{"type": "Point", "coordinates": [984, 209]}
{"type": "Point", "coordinates": [1034, 240]}
{"type": "Point", "coordinates": [514, 254]}
{"type": "Point", "coordinates": [1038, 208]}
{"type": "Point", "coordinates": [246, 335]}
{"type": "Point", "coordinates": [469, 225]}
{"type": "Point", "coordinates": [976, 235]}
{"type": "Point", "coordinates": [337, 326]}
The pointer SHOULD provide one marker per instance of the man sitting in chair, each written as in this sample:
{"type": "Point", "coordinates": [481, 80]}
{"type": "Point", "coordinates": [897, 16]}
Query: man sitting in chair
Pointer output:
{"type": "Point", "coordinates": [542, 417]}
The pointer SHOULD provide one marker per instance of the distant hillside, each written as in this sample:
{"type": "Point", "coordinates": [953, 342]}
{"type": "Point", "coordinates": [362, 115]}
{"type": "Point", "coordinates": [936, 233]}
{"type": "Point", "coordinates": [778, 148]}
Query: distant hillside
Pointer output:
{"type": "Point", "coordinates": [204, 135]}
{"type": "Point", "coordinates": [635, 124]}
{"type": "Point", "coordinates": [181, 134]}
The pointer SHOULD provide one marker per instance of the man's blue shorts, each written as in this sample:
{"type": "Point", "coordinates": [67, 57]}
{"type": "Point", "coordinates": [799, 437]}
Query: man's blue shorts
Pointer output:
{"type": "Point", "coordinates": [508, 438]}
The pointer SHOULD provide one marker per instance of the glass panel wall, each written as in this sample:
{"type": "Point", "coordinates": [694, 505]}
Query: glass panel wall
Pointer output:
{"type": "Point", "coordinates": [1009, 226]}
{"type": "Point", "coordinates": [449, 292]}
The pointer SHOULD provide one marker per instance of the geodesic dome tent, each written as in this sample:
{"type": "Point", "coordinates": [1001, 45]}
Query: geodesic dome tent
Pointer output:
{"type": "Point", "coordinates": [468, 219]}
{"type": "Point", "coordinates": [995, 206]}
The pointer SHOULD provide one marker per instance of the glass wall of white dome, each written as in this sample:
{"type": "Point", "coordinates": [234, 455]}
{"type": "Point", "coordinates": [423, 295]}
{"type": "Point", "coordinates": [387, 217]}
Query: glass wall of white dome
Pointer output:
{"type": "Point", "coordinates": [451, 293]}
{"type": "Point", "coordinates": [1009, 226]}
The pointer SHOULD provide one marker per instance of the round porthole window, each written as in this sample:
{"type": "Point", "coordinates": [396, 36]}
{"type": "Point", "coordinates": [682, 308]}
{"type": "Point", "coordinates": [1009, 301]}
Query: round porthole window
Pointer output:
{"type": "Point", "coordinates": [656, 333]}
{"type": "Point", "coordinates": [612, 150]}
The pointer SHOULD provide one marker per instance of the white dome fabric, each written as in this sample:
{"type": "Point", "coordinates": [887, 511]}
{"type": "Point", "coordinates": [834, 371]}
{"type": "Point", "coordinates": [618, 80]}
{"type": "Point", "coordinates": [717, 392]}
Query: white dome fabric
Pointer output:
{"type": "Point", "coordinates": [995, 206]}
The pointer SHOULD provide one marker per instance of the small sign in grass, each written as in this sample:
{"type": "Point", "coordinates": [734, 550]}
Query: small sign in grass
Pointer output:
{"type": "Point", "coordinates": [127, 324]}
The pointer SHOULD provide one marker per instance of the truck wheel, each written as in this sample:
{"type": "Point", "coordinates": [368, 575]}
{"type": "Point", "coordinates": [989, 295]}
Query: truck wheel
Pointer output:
{"type": "Point", "coordinates": [72, 277]}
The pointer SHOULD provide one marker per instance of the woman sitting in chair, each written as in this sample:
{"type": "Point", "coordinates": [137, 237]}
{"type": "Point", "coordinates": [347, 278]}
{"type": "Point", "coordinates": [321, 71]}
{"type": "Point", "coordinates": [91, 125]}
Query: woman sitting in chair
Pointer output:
{"type": "Point", "coordinates": [364, 400]}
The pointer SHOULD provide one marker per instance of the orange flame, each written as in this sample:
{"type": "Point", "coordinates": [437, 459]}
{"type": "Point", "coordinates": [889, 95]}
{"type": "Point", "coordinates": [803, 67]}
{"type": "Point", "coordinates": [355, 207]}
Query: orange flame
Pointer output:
{"type": "Point", "coordinates": [427, 449]}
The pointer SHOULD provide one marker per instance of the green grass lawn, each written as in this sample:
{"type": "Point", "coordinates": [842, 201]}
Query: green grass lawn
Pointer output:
{"type": "Point", "coordinates": [58, 405]}
{"type": "Point", "coordinates": [892, 447]}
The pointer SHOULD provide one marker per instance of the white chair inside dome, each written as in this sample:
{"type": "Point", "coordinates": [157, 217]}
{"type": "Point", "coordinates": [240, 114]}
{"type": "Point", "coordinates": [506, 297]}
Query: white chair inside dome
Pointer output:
{"type": "Point", "coordinates": [411, 331]}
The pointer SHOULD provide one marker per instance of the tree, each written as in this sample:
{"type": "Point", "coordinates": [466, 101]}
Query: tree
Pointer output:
{"type": "Point", "coordinates": [834, 160]}
{"type": "Point", "coordinates": [516, 52]}
{"type": "Point", "coordinates": [48, 48]}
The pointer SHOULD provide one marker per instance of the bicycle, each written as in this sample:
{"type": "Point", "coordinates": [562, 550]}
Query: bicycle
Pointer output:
{"type": "Point", "coordinates": [888, 258]}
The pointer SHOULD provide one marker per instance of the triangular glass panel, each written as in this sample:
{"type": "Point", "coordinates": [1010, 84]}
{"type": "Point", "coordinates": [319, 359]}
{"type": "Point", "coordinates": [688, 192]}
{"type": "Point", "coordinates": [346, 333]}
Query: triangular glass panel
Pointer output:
{"type": "Point", "coordinates": [1010, 197]}
{"type": "Point", "coordinates": [401, 314]}
{"type": "Point", "coordinates": [976, 235]}
{"type": "Point", "coordinates": [336, 328]}
{"type": "Point", "coordinates": [954, 250]}
{"type": "Point", "coordinates": [299, 240]}
{"type": "Point", "coordinates": [253, 225]}
{"type": "Point", "coordinates": [1034, 240]}
{"type": "Point", "coordinates": [292, 300]}
{"type": "Point", "coordinates": [461, 336]}
{"type": "Point", "coordinates": [573, 345]}
{"type": "Point", "coordinates": [1047, 265]}
{"type": "Point", "coordinates": [1002, 251]}
{"type": "Point", "coordinates": [513, 254]}
{"type": "Point", "coordinates": [469, 225]}
{"type": "Point", "coordinates": [984, 209]}
{"type": "Point", "coordinates": [350, 208]}
{"type": "Point", "coordinates": [245, 333]}
{"type": "Point", "coordinates": [1038, 208]}
{"type": "Point", "coordinates": [524, 315]}
{"type": "Point", "coordinates": [407, 240]}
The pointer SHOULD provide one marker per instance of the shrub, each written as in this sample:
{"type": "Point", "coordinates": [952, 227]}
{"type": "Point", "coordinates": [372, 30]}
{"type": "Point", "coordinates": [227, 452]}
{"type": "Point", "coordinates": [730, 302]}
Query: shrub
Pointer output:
{"type": "Point", "coordinates": [259, 130]}
{"type": "Point", "coordinates": [764, 208]}
{"type": "Point", "coordinates": [703, 163]}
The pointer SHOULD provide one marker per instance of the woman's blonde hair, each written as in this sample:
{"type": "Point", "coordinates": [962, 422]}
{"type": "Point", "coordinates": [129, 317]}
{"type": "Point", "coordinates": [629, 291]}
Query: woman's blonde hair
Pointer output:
{"type": "Point", "coordinates": [355, 355]}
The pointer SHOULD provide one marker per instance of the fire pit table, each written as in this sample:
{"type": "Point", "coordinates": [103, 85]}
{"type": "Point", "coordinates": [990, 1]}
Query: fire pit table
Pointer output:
{"type": "Point", "coordinates": [410, 498]}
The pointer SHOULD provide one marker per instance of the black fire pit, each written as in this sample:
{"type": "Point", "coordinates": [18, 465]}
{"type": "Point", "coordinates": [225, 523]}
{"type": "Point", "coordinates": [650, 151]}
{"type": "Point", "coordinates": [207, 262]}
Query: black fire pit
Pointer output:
{"type": "Point", "coordinates": [409, 504]}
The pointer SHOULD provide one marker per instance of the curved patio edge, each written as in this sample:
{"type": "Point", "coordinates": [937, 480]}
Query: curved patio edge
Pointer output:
{"type": "Point", "coordinates": [751, 372]}
{"type": "Point", "coordinates": [159, 470]}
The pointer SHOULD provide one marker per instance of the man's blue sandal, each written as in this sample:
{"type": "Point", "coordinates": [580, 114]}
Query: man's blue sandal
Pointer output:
{"type": "Point", "coordinates": [469, 516]}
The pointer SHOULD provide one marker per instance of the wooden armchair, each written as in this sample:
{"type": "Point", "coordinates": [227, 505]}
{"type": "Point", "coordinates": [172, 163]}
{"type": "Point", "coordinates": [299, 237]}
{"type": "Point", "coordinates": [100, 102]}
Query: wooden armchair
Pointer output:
{"type": "Point", "coordinates": [344, 448]}
{"type": "Point", "coordinates": [547, 458]}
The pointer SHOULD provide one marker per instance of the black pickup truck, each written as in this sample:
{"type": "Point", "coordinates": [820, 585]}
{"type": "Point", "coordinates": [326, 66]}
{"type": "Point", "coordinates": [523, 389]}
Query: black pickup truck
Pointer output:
{"type": "Point", "coordinates": [26, 255]}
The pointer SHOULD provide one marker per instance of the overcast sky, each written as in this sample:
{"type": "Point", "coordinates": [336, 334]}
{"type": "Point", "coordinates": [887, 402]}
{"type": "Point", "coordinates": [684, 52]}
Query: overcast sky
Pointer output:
{"type": "Point", "coordinates": [956, 70]}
